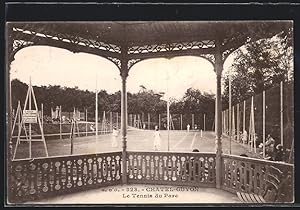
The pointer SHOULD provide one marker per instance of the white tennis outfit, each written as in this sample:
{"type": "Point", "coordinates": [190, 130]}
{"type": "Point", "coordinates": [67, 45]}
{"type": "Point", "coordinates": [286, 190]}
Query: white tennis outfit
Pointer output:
{"type": "Point", "coordinates": [114, 142]}
{"type": "Point", "coordinates": [157, 140]}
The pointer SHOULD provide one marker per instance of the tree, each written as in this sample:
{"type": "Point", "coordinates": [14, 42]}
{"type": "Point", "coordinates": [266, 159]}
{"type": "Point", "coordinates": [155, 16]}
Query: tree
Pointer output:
{"type": "Point", "coordinates": [197, 102]}
{"type": "Point", "coordinates": [260, 65]}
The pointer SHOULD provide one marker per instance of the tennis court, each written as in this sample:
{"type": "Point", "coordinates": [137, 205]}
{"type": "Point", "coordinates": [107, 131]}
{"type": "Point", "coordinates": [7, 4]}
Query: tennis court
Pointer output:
{"type": "Point", "coordinates": [137, 140]}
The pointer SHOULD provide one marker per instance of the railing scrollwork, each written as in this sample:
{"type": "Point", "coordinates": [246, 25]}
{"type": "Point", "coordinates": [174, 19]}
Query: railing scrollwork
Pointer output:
{"type": "Point", "coordinates": [251, 175]}
{"type": "Point", "coordinates": [45, 177]}
{"type": "Point", "coordinates": [116, 61]}
{"type": "Point", "coordinates": [192, 169]}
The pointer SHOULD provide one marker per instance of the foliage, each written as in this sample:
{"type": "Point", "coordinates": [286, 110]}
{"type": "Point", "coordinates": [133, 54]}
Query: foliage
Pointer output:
{"type": "Point", "coordinates": [260, 65]}
{"type": "Point", "coordinates": [145, 101]}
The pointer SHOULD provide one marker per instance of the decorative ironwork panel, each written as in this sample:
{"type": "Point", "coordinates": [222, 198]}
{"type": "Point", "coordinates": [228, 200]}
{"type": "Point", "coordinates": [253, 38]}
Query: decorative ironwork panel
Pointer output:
{"type": "Point", "coordinates": [193, 169]}
{"type": "Point", "coordinates": [91, 43]}
{"type": "Point", "coordinates": [44, 177]}
{"type": "Point", "coordinates": [131, 62]}
{"type": "Point", "coordinates": [19, 44]}
{"type": "Point", "coordinates": [154, 48]}
{"type": "Point", "coordinates": [116, 61]}
{"type": "Point", "coordinates": [209, 57]}
{"type": "Point", "coordinates": [241, 174]}
{"type": "Point", "coordinates": [231, 44]}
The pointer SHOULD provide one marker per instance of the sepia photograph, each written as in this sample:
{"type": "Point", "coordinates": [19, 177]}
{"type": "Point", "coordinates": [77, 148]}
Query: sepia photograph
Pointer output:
{"type": "Point", "coordinates": [150, 112]}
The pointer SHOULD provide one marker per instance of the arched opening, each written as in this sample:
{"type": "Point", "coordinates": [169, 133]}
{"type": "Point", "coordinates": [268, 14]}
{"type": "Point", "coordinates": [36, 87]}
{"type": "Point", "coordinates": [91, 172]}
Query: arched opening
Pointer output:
{"type": "Point", "coordinates": [261, 96]}
{"type": "Point", "coordinates": [189, 84]}
{"type": "Point", "coordinates": [65, 83]}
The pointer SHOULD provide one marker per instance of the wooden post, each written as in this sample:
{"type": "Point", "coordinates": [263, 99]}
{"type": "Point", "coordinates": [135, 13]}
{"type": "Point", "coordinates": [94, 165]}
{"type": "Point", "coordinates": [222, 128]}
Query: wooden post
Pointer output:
{"type": "Point", "coordinates": [111, 121]}
{"type": "Point", "coordinates": [233, 123]}
{"type": "Point", "coordinates": [117, 120]}
{"type": "Point", "coordinates": [253, 123]}
{"type": "Point", "coordinates": [204, 123]}
{"type": "Point", "coordinates": [180, 121]}
{"type": "Point", "coordinates": [22, 123]}
{"type": "Point", "coordinates": [60, 136]}
{"type": "Point", "coordinates": [225, 122]}
{"type": "Point", "coordinates": [86, 123]}
{"type": "Point", "coordinates": [51, 113]}
{"type": "Point", "coordinates": [238, 122]}
{"type": "Point", "coordinates": [193, 122]}
{"type": "Point", "coordinates": [139, 121]}
{"type": "Point", "coordinates": [159, 121]}
{"type": "Point", "coordinates": [264, 124]}
{"type": "Point", "coordinates": [96, 111]}
{"type": "Point", "coordinates": [244, 116]}
{"type": "Point", "coordinates": [103, 126]}
{"type": "Point", "coordinates": [39, 122]}
{"type": "Point", "coordinates": [131, 120]}
{"type": "Point", "coordinates": [17, 117]}
{"type": "Point", "coordinates": [134, 120]}
{"type": "Point", "coordinates": [30, 137]}
{"type": "Point", "coordinates": [171, 122]}
{"type": "Point", "coordinates": [230, 125]}
{"type": "Point", "coordinates": [252, 136]}
{"type": "Point", "coordinates": [250, 130]}
{"type": "Point", "coordinates": [42, 113]}
{"type": "Point", "coordinates": [291, 152]}
{"type": "Point", "coordinates": [281, 113]}
{"type": "Point", "coordinates": [13, 115]}
{"type": "Point", "coordinates": [72, 134]}
{"type": "Point", "coordinates": [149, 121]}
{"type": "Point", "coordinates": [168, 122]}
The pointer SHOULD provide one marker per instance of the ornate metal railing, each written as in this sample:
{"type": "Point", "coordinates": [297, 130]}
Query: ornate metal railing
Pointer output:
{"type": "Point", "coordinates": [193, 169]}
{"type": "Point", "coordinates": [244, 174]}
{"type": "Point", "coordinates": [44, 177]}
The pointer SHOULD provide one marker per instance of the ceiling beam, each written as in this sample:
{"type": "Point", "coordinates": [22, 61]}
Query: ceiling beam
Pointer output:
{"type": "Point", "coordinates": [73, 47]}
{"type": "Point", "coordinates": [174, 53]}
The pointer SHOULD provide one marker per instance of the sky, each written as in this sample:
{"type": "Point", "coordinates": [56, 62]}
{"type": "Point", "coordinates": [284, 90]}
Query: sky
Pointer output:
{"type": "Point", "coordinates": [55, 66]}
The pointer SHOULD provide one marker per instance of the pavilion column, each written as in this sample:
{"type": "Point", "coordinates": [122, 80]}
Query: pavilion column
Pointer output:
{"type": "Point", "coordinates": [218, 116]}
{"type": "Point", "coordinates": [124, 74]}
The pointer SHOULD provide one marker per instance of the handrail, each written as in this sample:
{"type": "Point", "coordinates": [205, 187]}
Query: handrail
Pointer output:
{"type": "Point", "coordinates": [65, 156]}
{"type": "Point", "coordinates": [46, 177]}
{"type": "Point", "coordinates": [172, 168]}
{"type": "Point", "coordinates": [249, 175]}
{"type": "Point", "coordinates": [237, 157]}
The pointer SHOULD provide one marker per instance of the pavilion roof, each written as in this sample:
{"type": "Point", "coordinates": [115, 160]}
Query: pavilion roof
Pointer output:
{"type": "Point", "coordinates": [154, 32]}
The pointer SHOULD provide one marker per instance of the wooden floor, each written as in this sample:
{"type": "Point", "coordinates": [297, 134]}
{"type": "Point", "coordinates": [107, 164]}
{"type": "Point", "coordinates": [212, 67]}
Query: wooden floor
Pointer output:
{"type": "Point", "coordinates": [145, 194]}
